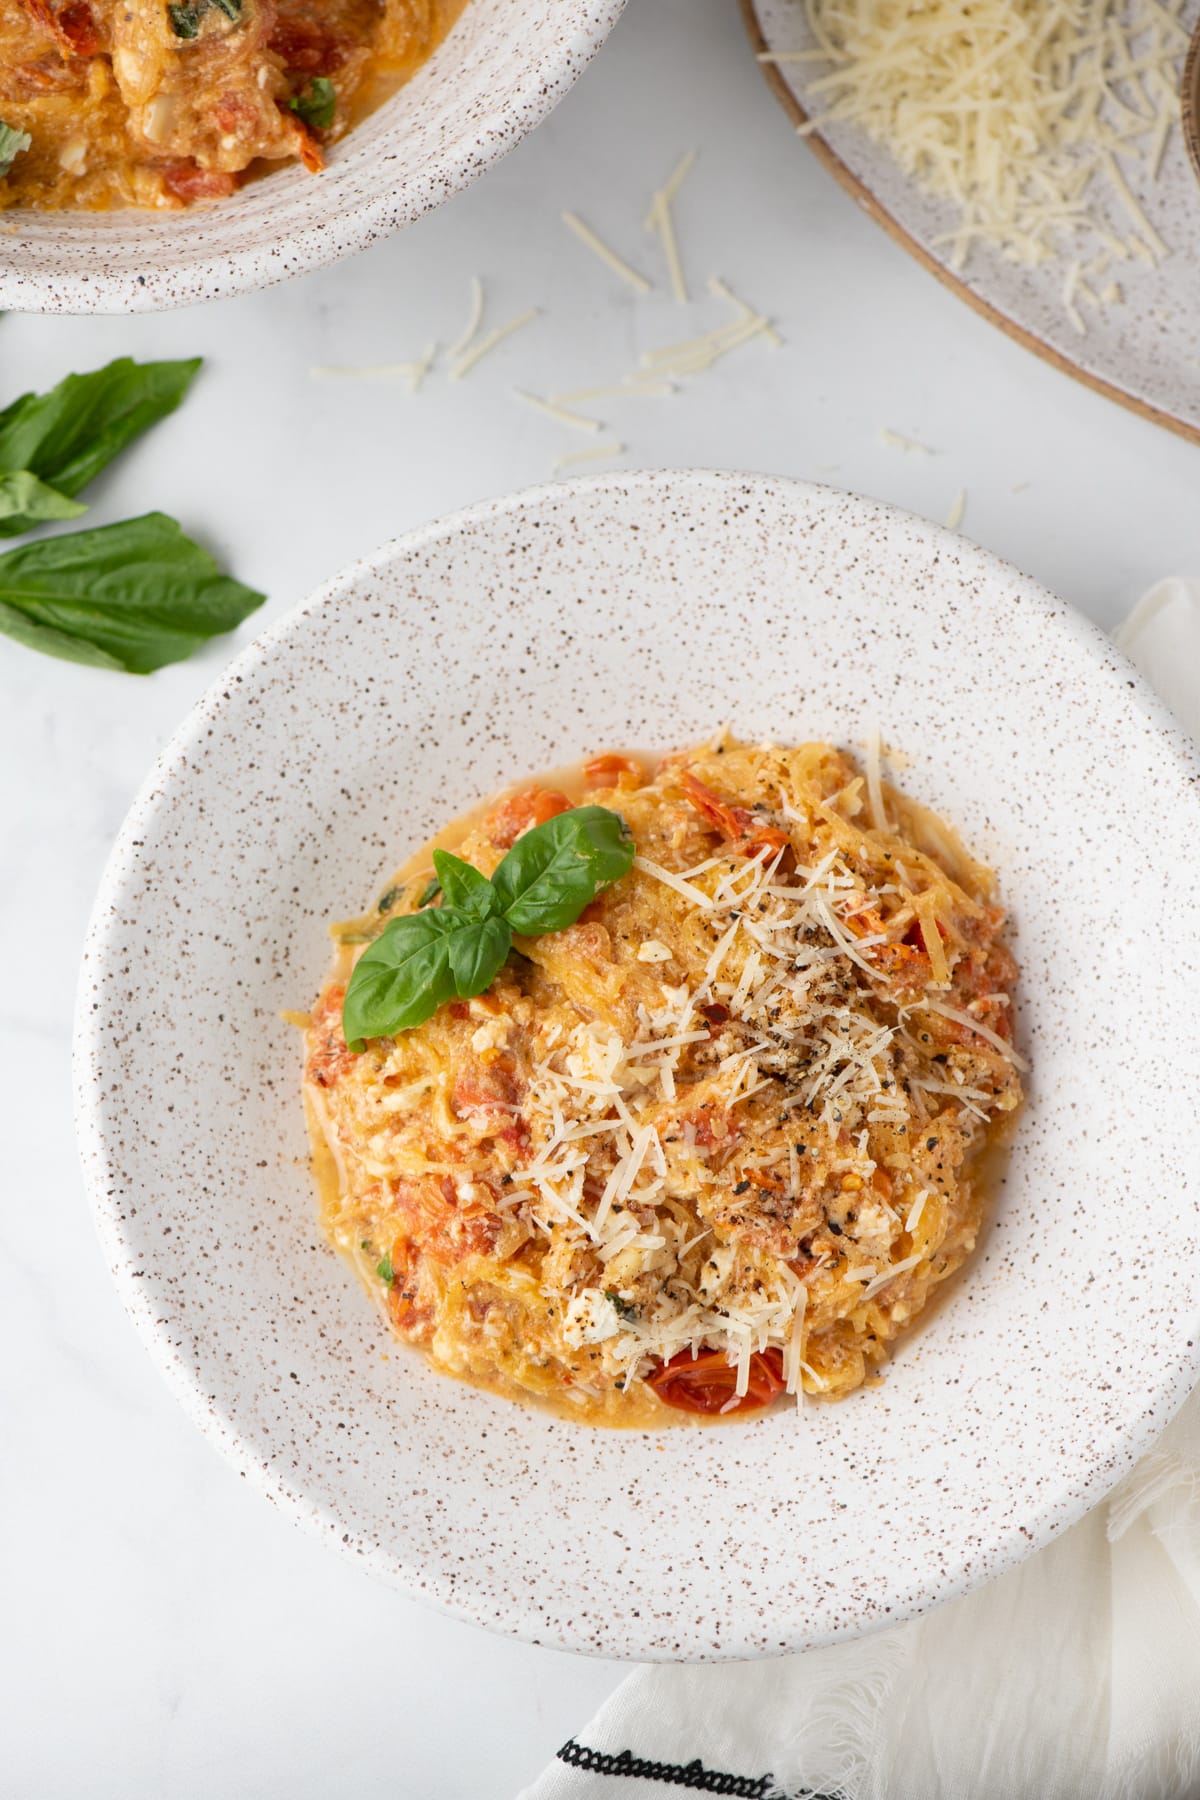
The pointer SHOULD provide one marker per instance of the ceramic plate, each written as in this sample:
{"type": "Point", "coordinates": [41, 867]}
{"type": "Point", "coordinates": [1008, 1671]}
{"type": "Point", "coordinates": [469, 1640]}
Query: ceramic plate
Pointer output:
{"type": "Point", "coordinates": [643, 610]}
{"type": "Point", "coordinates": [1143, 352]}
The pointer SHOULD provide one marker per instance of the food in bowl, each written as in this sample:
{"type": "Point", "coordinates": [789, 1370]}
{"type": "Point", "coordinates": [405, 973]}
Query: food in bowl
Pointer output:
{"type": "Point", "coordinates": [719, 1138]}
{"type": "Point", "coordinates": [147, 103]}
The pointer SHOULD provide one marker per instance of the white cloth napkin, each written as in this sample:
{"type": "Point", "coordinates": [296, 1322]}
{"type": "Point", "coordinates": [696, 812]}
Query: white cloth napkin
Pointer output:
{"type": "Point", "coordinates": [1074, 1677]}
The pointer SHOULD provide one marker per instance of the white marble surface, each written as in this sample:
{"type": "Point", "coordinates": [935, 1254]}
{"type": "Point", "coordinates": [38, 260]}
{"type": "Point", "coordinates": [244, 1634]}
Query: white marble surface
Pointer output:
{"type": "Point", "coordinates": [164, 1634]}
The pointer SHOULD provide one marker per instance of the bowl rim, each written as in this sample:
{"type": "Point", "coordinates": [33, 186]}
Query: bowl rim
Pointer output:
{"type": "Point", "coordinates": [1109, 1457]}
{"type": "Point", "coordinates": [196, 273]}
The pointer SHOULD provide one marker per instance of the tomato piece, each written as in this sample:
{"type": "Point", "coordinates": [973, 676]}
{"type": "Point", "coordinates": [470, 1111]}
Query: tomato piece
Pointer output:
{"type": "Point", "coordinates": [307, 45]}
{"type": "Point", "coordinates": [309, 150]}
{"type": "Point", "coordinates": [188, 181]}
{"type": "Point", "coordinates": [411, 1317]}
{"type": "Point", "coordinates": [521, 811]}
{"type": "Point", "coordinates": [606, 771]}
{"type": "Point", "coordinates": [330, 1058]}
{"type": "Point", "coordinates": [744, 829]}
{"type": "Point", "coordinates": [707, 1383]}
{"type": "Point", "coordinates": [73, 26]}
{"type": "Point", "coordinates": [437, 1226]}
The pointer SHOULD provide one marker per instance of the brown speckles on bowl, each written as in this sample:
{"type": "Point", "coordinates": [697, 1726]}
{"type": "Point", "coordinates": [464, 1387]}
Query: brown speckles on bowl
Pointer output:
{"type": "Point", "coordinates": [640, 610]}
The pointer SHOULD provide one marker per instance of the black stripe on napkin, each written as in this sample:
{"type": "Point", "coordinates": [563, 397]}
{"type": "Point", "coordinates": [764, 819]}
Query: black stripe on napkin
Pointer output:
{"type": "Point", "coordinates": [692, 1775]}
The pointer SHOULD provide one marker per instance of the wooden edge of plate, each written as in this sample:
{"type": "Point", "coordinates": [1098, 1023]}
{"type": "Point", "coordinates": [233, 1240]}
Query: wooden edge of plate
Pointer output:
{"type": "Point", "coordinates": [1189, 104]}
{"type": "Point", "coordinates": [872, 207]}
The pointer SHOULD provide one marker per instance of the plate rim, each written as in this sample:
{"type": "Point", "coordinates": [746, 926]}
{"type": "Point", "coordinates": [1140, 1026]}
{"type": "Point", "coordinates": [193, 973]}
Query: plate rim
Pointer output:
{"type": "Point", "coordinates": [875, 210]}
{"type": "Point", "coordinates": [1086, 1489]}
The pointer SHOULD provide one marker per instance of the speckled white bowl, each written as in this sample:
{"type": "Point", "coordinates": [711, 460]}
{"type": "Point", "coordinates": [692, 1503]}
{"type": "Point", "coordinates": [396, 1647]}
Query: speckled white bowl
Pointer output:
{"type": "Point", "coordinates": [503, 67]}
{"type": "Point", "coordinates": [641, 610]}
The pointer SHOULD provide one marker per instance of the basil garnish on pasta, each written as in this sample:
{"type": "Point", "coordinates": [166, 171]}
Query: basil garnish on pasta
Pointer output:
{"type": "Point", "coordinates": [317, 104]}
{"type": "Point", "coordinates": [12, 144]}
{"type": "Point", "coordinates": [456, 950]}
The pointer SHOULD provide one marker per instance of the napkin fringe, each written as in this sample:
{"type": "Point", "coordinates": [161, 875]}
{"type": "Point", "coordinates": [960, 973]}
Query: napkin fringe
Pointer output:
{"type": "Point", "coordinates": [837, 1730]}
{"type": "Point", "coordinates": [1157, 1479]}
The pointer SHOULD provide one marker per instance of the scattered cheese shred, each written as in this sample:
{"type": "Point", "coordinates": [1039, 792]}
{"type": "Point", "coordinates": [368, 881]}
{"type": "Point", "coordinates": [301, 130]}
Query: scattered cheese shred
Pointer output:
{"type": "Point", "coordinates": [694, 356]}
{"type": "Point", "coordinates": [413, 372]}
{"type": "Point", "coordinates": [599, 248]}
{"type": "Point", "coordinates": [659, 218]}
{"type": "Point", "coordinates": [560, 414]}
{"type": "Point", "coordinates": [958, 507]}
{"type": "Point", "coordinates": [896, 440]}
{"type": "Point", "coordinates": [600, 453]}
{"type": "Point", "coordinates": [488, 343]}
{"type": "Point", "coordinates": [723, 291]}
{"type": "Point", "coordinates": [632, 384]}
{"type": "Point", "coordinates": [474, 321]}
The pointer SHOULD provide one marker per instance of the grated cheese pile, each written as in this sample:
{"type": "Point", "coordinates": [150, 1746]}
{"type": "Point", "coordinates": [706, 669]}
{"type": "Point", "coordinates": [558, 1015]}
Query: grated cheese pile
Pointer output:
{"type": "Point", "coordinates": [734, 1113]}
{"type": "Point", "coordinates": [1037, 120]}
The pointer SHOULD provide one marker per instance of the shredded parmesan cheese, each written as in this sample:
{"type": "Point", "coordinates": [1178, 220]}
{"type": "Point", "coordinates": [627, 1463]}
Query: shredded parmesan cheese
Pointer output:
{"type": "Point", "coordinates": [896, 440]}
{"type": "Point", "coordinates": [481, 349]}
{"type": "Point", "coordinates": [659, 218]}
{"type": "Point", "coordinates": [474, 321]}
{"type": "Point", "coordinates": [601, 453]}
{"type": "Point", "coordinates": [608, 256]}
{"type": "Point", "coordinates": [560, 414]}
{"type": "Point", "coordinates": [1018, 114]}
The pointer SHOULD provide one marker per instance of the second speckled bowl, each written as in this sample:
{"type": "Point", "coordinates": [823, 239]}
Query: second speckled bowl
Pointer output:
{"type": "Point", "coordinates": [498, 73]}
{"type": "Point", "coordinates": [643, 610]}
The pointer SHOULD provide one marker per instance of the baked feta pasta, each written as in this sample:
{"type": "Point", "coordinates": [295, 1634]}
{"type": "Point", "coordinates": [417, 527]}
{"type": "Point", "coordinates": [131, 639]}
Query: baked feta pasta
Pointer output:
{"type": "Point", "coordinates": [109, 103]}
{"type": "Point", "coordinates": [719, 1139]}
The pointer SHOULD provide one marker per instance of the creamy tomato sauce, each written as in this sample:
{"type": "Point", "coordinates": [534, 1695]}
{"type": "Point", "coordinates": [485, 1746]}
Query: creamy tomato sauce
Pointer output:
{"type": "Point", "coordinates": [158, 104]}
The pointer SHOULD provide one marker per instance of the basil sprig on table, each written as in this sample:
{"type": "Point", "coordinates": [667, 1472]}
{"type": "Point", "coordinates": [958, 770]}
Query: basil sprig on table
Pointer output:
{"type": "Point", "coordinates": [456, 950]}
{"type": "Point", "coordinates": [131, 596]}
{"type": "Point", "coordinates": [64, 438]}
{"type": "Point", "coordinates": [27, 500]}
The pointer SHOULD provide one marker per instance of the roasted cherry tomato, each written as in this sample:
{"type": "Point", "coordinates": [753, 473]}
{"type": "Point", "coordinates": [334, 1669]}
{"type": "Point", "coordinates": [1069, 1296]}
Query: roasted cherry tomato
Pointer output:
{"type": "Point", "coordinates": [707, 1383]}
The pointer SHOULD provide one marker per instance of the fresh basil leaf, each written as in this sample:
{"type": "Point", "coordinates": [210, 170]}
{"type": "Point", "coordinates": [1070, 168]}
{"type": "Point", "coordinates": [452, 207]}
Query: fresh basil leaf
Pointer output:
{"type": "Point", "coordinates": [478, 955]}
{"type": "Point", "coordinates": [25, 501]}
{"type": "Point", "coordinates": [12, 143]}
{"type": "Point", "coordinates": [317, 104]}
{"type": "Point", "coordinates": [552, 871]}
{"type": "Point", "coordinates": [464, 886]}
{"type": "Point", "coordinates": [401, 980]}
{"type": "Point", "coordinates": [430, 891]}
{"type": "Point", "coordinates": [68, 435]}
{"type": "Point", "coordinates": [231, 8]}
{"type": "Point", "coordinates": [415, 965]}
{"type": "Point", "coordinates": [384, 1270]}
{"type": "Point", "coordinates": [185, 20]}
{"type": "Point", "coordinates": [131, 596]}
